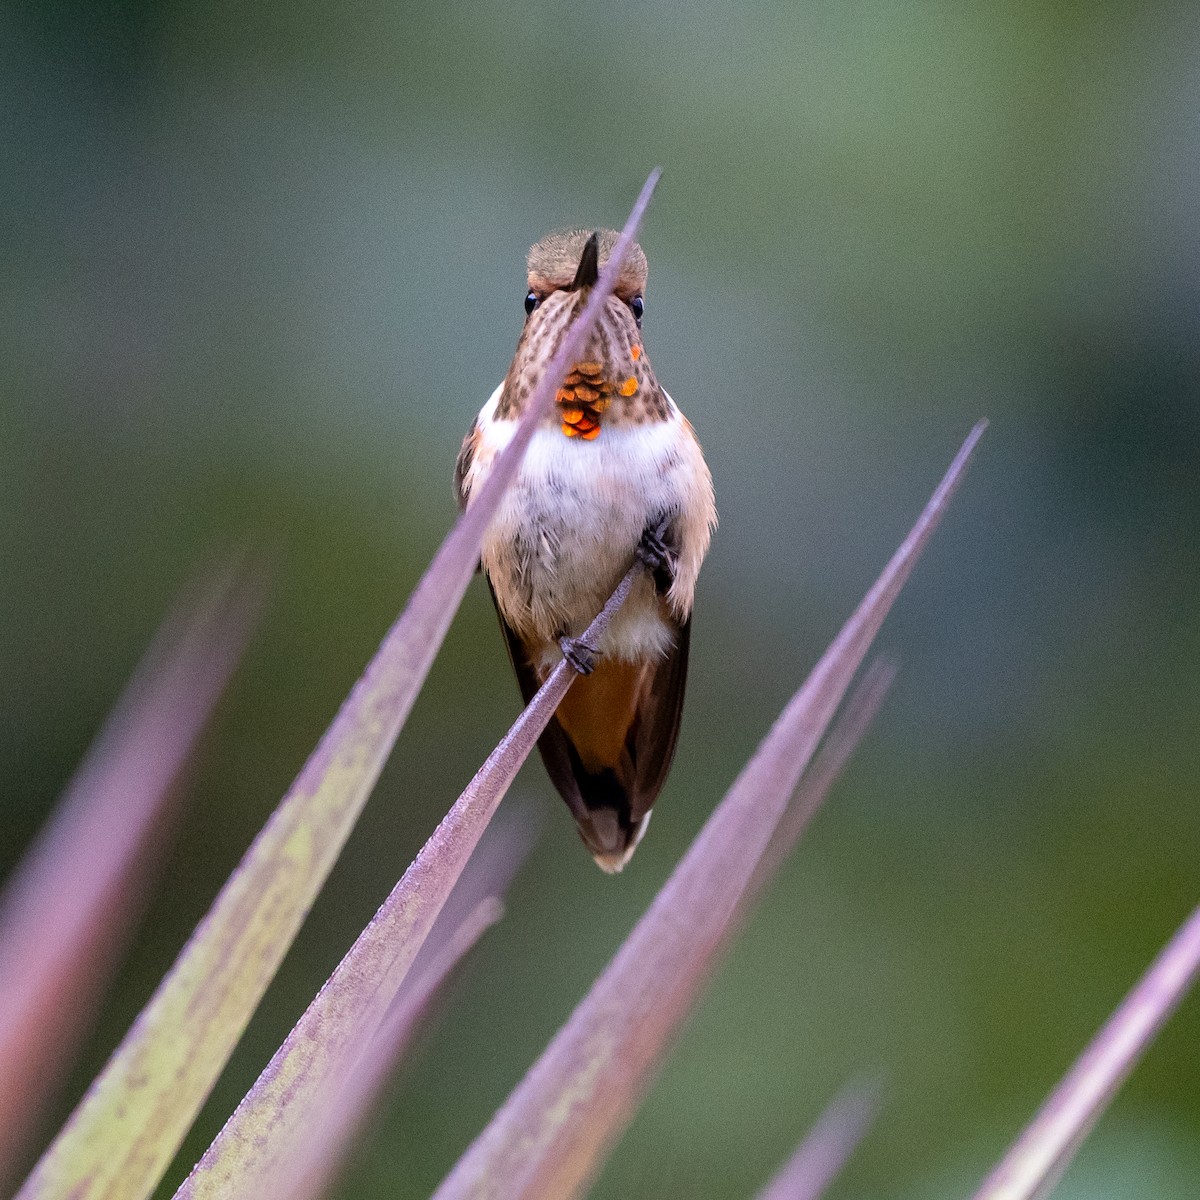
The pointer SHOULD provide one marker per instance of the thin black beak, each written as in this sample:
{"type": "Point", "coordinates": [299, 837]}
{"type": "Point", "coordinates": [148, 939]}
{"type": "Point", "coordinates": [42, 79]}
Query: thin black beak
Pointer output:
{"type": "Point", "coordinates": [589, 264]}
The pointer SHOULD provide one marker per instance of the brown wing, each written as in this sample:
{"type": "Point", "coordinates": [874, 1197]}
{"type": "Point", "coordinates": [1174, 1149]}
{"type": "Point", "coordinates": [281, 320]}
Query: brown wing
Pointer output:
{"type": "Point", "coordinates": [609, 747]}
{"type": "Point", "coordinates": [552, 744]}
{"type": "Point", "coordinates": [659, 717]}
{"type": "Point", "coordinates": [462, 464]}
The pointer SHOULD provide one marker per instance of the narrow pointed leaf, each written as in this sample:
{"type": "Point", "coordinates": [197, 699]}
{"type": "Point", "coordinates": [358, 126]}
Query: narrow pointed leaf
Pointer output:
{"type": "Point", "coordinates": [815, 784]}
{"type": "Point", "coordinates": [1036, 1162]}
{"type": "Point", "coordinates": [349, 1008]}
{"type": "Point", "coordinates": [317, 1148]}
{"type": "Point", "coordinates": [73, 903]}
{"type": "Point", "coordinates": [550, 1136]}
{"type": "Point", "coordinates": [123, 1135]}
{"type": "Point", "coordinates": [819, 1159]}
{"type": "Point", "coordinates": [827, 765]}
{"type": "Point", "coordinates": [490, 871]}
{"type": "Point", "coordinates": [317, 1157]}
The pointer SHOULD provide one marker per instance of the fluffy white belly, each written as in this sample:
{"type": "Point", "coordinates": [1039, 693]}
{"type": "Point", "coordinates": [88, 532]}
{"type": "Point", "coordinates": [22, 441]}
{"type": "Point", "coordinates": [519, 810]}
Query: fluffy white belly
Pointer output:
{"type": "Point", "coordinates": [567, 530]}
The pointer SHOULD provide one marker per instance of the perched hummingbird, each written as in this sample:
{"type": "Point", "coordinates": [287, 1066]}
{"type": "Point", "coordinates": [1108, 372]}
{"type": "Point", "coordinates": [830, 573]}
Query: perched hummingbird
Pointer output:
{"type": "Point", "coordinates": [614, 474]}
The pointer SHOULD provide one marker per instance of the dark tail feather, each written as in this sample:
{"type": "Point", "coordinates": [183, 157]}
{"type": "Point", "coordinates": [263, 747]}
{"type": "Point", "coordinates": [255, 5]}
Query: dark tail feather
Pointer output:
{"type": "Point", "coordinates": [606, 821]}
{"type": "Point", "coordinates": [609, 748]}
{"type": "Point", "coordinates": [611, 794]}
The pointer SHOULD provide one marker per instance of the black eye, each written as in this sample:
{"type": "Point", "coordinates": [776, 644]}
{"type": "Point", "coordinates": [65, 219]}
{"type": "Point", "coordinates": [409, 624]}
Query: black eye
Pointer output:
{"type": "Point", "coordinates": [637, 307]}
{"type": "Point", "coordinates": [531, 302]}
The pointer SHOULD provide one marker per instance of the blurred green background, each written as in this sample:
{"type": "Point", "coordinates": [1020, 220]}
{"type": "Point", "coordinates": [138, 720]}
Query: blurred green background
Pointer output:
{"type": "Point", "coordinates": [262, 263]}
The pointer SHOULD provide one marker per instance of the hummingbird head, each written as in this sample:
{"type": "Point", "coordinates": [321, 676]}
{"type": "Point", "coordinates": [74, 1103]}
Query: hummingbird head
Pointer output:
{"type": "Point", "coordinates": [613, 382]}
{"type": "Point", "coordinates": [573, 260]}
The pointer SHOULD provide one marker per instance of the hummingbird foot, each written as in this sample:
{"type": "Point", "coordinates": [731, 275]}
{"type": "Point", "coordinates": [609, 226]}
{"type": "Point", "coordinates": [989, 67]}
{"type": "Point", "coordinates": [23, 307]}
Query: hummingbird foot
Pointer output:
{"type": "Point", "coordinates": [579, 654]}
{"type": "Point", "coordinates": [655, 553]}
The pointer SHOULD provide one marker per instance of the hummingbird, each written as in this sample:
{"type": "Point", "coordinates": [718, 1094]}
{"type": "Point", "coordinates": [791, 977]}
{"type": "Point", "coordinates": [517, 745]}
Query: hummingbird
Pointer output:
{"type": "Point", "coordinates": [614, 474]}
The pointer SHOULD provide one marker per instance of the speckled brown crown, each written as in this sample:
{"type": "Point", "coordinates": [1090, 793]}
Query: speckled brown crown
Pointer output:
{"type": "Point", "coordinates": [553, 261]}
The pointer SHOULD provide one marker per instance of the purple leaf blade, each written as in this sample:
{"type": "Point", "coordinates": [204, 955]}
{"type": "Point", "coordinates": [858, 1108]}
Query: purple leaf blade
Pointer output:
{"type": "Point", "coordinates": [827, 1147]}
{"type": "Point", "coordinates": [72, 905]}
{"type": "Point", "coordinates": [319, 1151]}
{"type": "Point", "coordinates": [1035, 1163]}
{"type": "Point", "coordinates": [827, 765]}
{"type": "Point", "coordinates": [317, 1148]}
{"type": "Point", "coordinates": [122, 1136]}
{"type": "Point", "coordinates": [324, 1152]}
{"type": "Point", "coordinates": [550, 1136]}
{"type": "Point", "coordinates": [825, 1150]}
{"type": "Point", "coordinates": [354, 999]}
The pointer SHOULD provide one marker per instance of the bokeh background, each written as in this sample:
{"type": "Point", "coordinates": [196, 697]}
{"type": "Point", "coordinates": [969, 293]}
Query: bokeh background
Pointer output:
{"type": "Point", "coordinates": [262, 262]}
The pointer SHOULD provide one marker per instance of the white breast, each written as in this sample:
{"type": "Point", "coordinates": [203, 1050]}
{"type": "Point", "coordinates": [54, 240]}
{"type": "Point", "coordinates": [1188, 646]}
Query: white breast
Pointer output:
{"type": "Point", "coordinates": [567, 529]}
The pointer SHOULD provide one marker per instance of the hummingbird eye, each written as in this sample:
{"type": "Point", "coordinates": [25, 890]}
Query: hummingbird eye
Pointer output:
{"type": "Point", "coordinates": [531, 302]}
{"type": "Point", "coordinates": [637, 305]}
